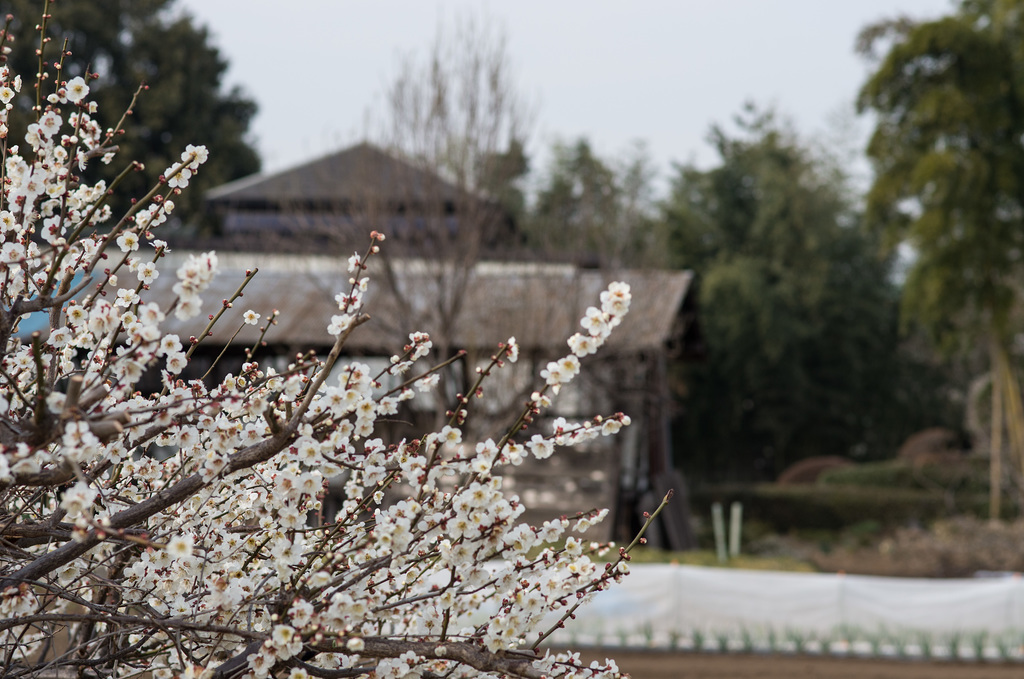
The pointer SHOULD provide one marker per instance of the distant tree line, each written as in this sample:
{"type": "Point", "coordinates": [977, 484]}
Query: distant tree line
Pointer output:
{"type": "Point", "coordinates": [822, 340]}
{"type": "Point", "coordinates": [129, 43]}
{"type": "Point", "coordinates": [799, 303]}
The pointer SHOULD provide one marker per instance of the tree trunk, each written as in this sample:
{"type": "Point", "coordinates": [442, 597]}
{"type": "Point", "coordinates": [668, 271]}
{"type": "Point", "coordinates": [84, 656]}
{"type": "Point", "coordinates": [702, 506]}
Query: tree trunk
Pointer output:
{"type": "Point", "coordinates": [1014, 425]}
{"type": "Point", "coordinates": [1008, 412]}
{"type": "Point", "coordinates": [995, 478]}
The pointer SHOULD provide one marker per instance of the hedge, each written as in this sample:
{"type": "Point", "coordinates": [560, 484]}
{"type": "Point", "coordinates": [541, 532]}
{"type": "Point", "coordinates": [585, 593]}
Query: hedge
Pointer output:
{"type": "Point", "coordinates": [834, 507]}
{"type": "Point", "coordinates": [968, 474]}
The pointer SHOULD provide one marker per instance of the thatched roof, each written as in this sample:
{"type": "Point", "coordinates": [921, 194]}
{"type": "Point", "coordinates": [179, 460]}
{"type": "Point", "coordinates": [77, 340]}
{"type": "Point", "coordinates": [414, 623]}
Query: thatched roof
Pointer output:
{"type": "Point", "coordinates": [330, 204]}
{"type": "Point", "coordinates": [351, 176]}
{"type": "Point", "coordinates": [540, 304]}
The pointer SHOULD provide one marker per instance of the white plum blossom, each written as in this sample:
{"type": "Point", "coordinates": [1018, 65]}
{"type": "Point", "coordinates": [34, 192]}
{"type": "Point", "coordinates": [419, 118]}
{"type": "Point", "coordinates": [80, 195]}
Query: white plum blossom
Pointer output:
{"type": "Point", "coordinates": [612, 426]}
{"type": "Point", "coordinates": [180, 546]}
{"type": "Point", "coordinates": [615, 300]}
{"type": "Point", "coordinates": [147, 272]}
{"type": "Point", "coordinates": [179, 179]}
{"type": "Point", "coordinates": [50, 123]}
{"type": "Point", "coordinates": [540, 447]}
{"type": "Point", "coordinates": [339, 324]}
{"type": "Point", "coordinates": [260, 517]}
{"type": "Point", "coordinates": [596, 322]}
{"type": "Point", "coordinates": [128, 241]}
{"type": "Point", "coordinates": [126, 297]}
{"type": "Point", "coordinates": [76, 90]}
{"type": "Point", "coordinates": [570, 366]}
{"type": "Point", "coordinates": [553, 374]}
{"type": "Point", "coordinates": [561, 371]}
{"type": "Point", "coordinates": [195, 155]}
{"type": "Point", "coordinates": [78, 499]}
{"type": "Point", "coordinates": [512, 350]}
{"type": "Point", "coordinates": [583, 345]}
{"type": "Point", "coordinates": [427, 383]}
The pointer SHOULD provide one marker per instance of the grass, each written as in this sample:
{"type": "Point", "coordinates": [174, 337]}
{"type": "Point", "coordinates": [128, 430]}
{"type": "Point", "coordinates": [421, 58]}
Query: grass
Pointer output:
{"type": "Point", "coordinates": [924, 642]}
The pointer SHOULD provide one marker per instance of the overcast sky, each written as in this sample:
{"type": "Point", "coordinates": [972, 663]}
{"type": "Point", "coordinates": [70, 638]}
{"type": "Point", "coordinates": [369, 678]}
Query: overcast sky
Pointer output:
{"type": "Point", "coordinates": [658, 71]}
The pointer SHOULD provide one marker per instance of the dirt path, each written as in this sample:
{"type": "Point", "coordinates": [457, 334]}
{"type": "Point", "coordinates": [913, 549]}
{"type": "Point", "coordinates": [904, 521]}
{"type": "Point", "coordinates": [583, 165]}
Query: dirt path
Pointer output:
{"type": "Point", "coordinates": [667, 665]}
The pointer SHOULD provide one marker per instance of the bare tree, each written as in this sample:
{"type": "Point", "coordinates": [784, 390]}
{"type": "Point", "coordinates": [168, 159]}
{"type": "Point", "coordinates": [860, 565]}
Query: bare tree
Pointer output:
{"type": "Point", "coordinates": [440, 178]}
{"type": "Point", "coordinates": [458, 116]}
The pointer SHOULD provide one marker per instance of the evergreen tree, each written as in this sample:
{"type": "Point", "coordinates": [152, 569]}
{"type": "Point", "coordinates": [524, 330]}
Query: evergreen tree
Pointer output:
{"type": "Point", "coordinates": [949, 96]}
{"type": "Point", "coordinates": [130, 42]}
{"type": "Point", "coordinates": [799, 313]}
{"type": "Point", "coordinates": [596, 211]}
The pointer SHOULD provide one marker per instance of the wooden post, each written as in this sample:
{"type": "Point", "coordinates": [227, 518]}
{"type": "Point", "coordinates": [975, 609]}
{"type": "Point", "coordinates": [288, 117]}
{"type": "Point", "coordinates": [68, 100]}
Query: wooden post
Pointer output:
{"type": "Point", "coordinates": [719, 526]}
{"type": "Point", "coordinates": [735, 528]}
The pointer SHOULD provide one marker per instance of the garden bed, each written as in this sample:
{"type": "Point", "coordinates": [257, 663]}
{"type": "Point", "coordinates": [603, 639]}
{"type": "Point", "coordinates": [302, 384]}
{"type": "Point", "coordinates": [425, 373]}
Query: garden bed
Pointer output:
{"type": "Point", "coordinates": [677, 665]}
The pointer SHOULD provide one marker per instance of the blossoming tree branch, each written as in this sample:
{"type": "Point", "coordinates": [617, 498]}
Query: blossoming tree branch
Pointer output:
{"type": "Point", "coordinates": [182, 532]}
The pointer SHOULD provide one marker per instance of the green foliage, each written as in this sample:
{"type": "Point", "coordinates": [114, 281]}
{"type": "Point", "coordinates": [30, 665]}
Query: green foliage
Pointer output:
{"type": "Point", "coordinates": [833, 508]}
{"type": "Point", "coordinates": [799, 312]}
{"type": "Point", "coordinates": [502, 177]}
{"type": "Point", "coordinates": [134, 41]}
{"type": "Point", "coordinates": [966, 475]}
{"type": "Point", "coordinates": [949, 163]}
{"type": "Point", "coordinates": [590, 208]}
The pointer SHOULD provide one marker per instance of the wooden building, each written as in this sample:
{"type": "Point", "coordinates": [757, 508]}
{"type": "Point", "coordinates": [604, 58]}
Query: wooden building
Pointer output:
{"type": "Point", "coordinates": [445, 270]}
{"type": "Point", "coordinates": [331, 204]}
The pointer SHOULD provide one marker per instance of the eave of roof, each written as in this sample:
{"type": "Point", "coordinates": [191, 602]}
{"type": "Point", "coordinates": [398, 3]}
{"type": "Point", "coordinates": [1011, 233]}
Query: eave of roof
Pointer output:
{"type": "Point", "coordinates": [540, 304]}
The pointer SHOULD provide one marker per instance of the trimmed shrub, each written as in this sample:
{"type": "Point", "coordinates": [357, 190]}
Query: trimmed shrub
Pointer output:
{"type": "Point", "coordinates": [960, 474]}
{"type": "Point", "coordinates": [835, 507]}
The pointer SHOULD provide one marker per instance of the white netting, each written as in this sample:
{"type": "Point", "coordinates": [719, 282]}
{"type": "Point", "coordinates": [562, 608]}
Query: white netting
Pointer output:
{"type": "Point", "coordinates": [666, 601]}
